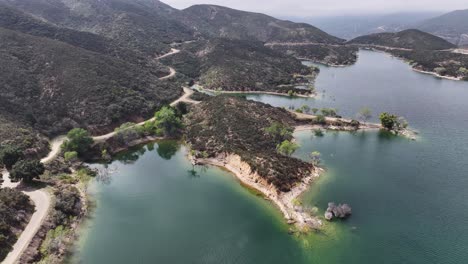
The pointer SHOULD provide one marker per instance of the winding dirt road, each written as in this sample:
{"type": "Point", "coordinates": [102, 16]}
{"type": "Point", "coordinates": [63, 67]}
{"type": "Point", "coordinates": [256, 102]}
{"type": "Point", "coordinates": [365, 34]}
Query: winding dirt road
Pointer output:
{"type": "Point", "coordinates": [42, 199]}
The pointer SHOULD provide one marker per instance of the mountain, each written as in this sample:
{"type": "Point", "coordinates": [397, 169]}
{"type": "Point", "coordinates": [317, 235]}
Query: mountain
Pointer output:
{"type": "Point", "coordinates": [406, 39]}
{"type": "Point", "coordinates": [349, 27]}
{"type": "Point", "coordinates": [217, 21]}
{"type": "Point", "coordinates": [144, 25]}
{"type": "Point", "coordinates": [91, 64]}
{"type": "Point", "coordinates": [452, 26]}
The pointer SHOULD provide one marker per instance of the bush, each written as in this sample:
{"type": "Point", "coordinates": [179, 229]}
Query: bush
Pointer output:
{"type": "Point", "coordinates": [365, 114]}
{"type": "Point", "coordinates": [279, 131]}
{"type": "Point", "coordinates": [318, 132]}
{"type": "Point", "coordinates": [355, 123]}
{"type": "Point", "coordinates": [167, 122]}
{"type": "Point", "coordinates": [329, 112]}
{"type": "Point", "coordinates": [320, 119]}
{"type": "Point", "coordinates": [388, 121]}
{"type": "Point", "coordinates": [9, 155]}
{"type": "Point", "coordinates": [79, 140]}
{"type": "Point", "coordinates": [70, 155]}
{"type": "Point", "coordinates": [27, 170]}
{"type": "Point", "coordinates": [287, 148]}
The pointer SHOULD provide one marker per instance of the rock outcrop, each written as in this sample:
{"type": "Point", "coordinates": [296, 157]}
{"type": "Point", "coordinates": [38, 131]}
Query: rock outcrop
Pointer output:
{"type": "Point", "coordinates": [337, 211]}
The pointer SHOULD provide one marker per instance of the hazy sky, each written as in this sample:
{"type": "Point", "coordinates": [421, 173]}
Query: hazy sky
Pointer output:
{"type": "Point", "coordinates": [328, 7]}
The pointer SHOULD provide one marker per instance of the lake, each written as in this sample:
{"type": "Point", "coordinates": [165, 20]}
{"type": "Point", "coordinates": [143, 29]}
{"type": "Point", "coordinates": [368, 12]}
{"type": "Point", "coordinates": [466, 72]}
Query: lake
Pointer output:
{"type": "Point", "coordinates": [409, 198]}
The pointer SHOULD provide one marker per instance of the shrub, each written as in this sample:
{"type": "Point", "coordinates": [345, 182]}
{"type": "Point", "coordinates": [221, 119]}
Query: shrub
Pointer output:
{"type": "Point", "coordinates": [320, 119]}
{"type": "Point", "coordinates": [9, 155]}
{"type": "Point", "coordinates": [318, 132]}
{"type": "Point", "coordinates": [279, 131]}
{"type": "Point", "coordinates": [441, 71]}
{"type": "Point", "coordinates": [388, 121]}
{"type": "Point", "coordinates": [27, 170]}
{"type": "Point", "coordinates": [70, 155]}
{"type": "Point", "coordinates": [167, 122]}
{"type": "Point", "coordinates": [355, 123]}
{"type": "Point", "coordinates": [328, 112]}
{"type": "Point", "coordinates": [364, 114]}
{"type": "Point", "coordinates": [79, 140]}
{"type": "Point", "coordinates": [287, 148]}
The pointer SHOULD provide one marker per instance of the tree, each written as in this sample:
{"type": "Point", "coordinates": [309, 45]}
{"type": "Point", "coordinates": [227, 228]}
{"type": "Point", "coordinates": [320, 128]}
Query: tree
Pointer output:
{"type": "Point", "coordinates": [27, 170]}
{"type": "Point", "coordinates": [279, 131]}
{"type": "Point", "coordinates": [9, 155]}
{"type": "Point", "coordinates": [70, 155]}
{"type": "Point", "coordinates": [287, 148]}
{"type": "Point", "coordinates": [315, 158]}
{"type": "Point", "coordinates": [320, 119]}
{"type": "Point", "coordinates": [388, 121]}
{"type": "Point", "coordinates": [79, 140]}
{"type": "Point", "coordinates": [167, 122]}
{"type": "Point", "coordinates": [305, 109]}
{"type": "Point", "coordinates": [329, 112]}
{"type": "Point", "coordinates": [365, 114]}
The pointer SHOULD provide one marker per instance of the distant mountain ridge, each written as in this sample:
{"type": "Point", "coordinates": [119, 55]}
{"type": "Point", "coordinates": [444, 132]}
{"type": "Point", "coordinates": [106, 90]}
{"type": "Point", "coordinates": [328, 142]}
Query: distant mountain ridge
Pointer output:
{"type": "Point", "coordinates": [452, 26]}
{"type": "Point", "coordinates": [218, 21]}
{"type": "Point", "coordinates": [406, 39]}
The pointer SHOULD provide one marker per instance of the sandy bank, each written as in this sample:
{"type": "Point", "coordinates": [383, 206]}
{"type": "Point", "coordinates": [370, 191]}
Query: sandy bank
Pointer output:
{"type": "Point", "coordinates": [346, 125]}
{"type": "Point", "coordinates": [438, 75]}
{"type": "Point", "coordinates": [285, 201]}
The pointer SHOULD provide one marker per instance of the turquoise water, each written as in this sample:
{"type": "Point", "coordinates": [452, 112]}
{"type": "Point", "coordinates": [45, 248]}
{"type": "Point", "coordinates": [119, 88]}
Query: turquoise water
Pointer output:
{"type": "Point", "coordinates": [409, 198]}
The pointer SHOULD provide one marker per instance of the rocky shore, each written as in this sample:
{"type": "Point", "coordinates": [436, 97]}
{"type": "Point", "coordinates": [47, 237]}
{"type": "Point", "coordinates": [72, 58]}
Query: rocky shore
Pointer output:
{"type": "Point", "coordinates": [285, 201]}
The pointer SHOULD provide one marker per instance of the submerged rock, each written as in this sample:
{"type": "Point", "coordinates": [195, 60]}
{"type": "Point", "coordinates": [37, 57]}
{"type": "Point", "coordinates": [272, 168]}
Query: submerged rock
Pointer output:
{"type": "Point", "coordinates": [340, 211]}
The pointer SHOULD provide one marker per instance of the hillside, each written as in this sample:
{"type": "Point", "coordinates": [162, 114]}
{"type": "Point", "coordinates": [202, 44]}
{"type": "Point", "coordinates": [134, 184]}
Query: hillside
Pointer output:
{"type": "Point", "coordinates": [452, 26]}
{"type": "Point", "coordinates": [144, 25]}
{"type": "Point", "coordinates": [443, 63]}
{"type": "Point", "coordinates": [239, 65]}
{"type": "Point", "coordinates": [245, 122]}
{"type": "Point", "coordinates": [13, 19]}
{"type": "Point", "coordinates": [406, 39]}
{"type": "Point", "coordinates": [217, 21]}
{"type": "Point", "coordinates": [56, 86]}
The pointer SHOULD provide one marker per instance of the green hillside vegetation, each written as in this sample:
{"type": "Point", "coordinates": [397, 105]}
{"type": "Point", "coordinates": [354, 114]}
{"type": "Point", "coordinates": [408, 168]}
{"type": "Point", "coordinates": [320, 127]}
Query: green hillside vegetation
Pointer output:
{"type": "Point", "coordinates": [407, 39]}
{"type": "Point", "coordinates": [251, 135]}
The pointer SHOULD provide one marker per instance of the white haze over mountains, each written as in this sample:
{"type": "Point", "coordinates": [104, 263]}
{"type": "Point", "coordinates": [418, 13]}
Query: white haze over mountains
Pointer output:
{"type": "Point", "coordinates": [309, 8]}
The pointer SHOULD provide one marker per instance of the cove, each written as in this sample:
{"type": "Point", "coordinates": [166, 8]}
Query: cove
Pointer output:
{"type": "Point", "coordinates": [409, 198]}
{"type": "Point", "coordinates": [157, 208]}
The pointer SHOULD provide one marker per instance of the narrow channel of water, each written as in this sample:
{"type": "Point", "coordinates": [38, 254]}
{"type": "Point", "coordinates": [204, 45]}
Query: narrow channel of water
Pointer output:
{"type": "Point", "coordinates": [409, 198]}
